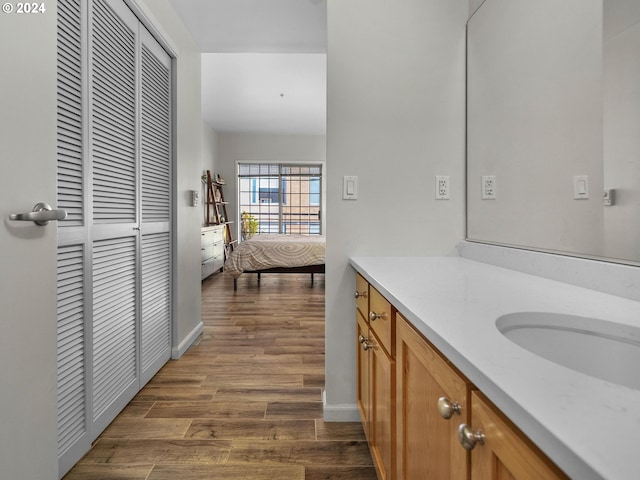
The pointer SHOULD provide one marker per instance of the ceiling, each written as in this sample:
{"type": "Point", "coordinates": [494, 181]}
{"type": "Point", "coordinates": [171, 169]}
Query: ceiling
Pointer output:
{"type": "Point", "coordinates": [263, 63]}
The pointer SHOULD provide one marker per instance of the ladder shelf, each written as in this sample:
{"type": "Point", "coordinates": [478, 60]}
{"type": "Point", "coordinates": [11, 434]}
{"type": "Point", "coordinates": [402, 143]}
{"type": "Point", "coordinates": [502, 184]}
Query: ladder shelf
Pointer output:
{"type": "Point", "coordinates": [216, 212]}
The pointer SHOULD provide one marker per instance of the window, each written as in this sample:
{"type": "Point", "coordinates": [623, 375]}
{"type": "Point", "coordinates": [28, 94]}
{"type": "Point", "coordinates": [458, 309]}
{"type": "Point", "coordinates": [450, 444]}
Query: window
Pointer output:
{"type": "Point", "coordinates": [280, 198]}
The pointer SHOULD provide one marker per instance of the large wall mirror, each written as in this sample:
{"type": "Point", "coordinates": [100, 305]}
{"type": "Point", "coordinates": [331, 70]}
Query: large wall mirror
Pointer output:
{"type": "Point", "coordinates": [553, 124]}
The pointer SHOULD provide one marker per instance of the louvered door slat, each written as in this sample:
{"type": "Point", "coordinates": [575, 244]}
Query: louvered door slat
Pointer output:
{"type": "Point", "coordinates": [155, 137]}
{"type": "Point", "coordinates": [69, 138]}
{"type": "Point", "coordinates": [71, 346]}
{"type": "Point", "coordinates": [116, 80]}
{"type": "Point", "coordinates": [113, 116]}
{"type": "Point", "coordinates": [156, 332]}
{"type": "Point", "coordinates": [114, 338]}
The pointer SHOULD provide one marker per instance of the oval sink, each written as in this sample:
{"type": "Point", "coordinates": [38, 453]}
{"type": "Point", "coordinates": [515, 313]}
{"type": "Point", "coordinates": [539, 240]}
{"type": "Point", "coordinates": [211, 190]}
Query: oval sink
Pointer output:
{"type": "Point", "coordinates": [599, 348]}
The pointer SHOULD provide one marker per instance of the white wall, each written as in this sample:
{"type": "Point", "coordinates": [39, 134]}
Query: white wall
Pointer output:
{"type": "Point", "coordinates": [249, 147]}
{"type": "Point", "coordinates": [188, 148]}
{"type": "Point", "coordinates": [396, 118]}
{"type": "Point", "coordinates": [474, 5]}
{"type": "Point", "coordinates": [209, 162]}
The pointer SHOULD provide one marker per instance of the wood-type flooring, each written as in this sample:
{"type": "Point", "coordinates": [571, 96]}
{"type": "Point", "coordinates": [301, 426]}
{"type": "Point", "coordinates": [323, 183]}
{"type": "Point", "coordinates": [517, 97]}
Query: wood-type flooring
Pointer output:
{"type": "Point", "coordinates": [243, 403]}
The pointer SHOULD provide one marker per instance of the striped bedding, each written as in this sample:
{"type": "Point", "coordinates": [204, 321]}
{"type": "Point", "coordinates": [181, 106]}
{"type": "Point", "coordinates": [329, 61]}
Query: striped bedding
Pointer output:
{"type": "Point", "coordinates": [261, 252]}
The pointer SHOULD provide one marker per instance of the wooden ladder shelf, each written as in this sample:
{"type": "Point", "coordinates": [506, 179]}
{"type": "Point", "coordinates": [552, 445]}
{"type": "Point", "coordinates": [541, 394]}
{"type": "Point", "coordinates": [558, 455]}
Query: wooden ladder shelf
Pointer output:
{"type": "Point", "coordinates": [216, 213]}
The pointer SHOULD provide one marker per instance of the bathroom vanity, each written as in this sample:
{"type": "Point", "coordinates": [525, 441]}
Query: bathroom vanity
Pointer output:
{"type": "Point", "coordinates": [439, 367]}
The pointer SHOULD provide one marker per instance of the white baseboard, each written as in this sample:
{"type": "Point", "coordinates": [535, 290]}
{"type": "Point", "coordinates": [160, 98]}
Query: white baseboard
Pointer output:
{"type": "Point", "coordinates": [340, 412]}
{"type": "Point", "coordinates": [178, 351]}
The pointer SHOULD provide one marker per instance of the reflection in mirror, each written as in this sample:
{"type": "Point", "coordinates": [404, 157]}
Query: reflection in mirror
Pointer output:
{"type": "Point", "coordinates": [554, 116]}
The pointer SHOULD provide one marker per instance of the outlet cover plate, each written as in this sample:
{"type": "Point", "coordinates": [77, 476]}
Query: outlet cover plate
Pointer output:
{"type": "Point", "coordinates": [442, 187]}
{"type": "Point", "coordinates": [489, 187]}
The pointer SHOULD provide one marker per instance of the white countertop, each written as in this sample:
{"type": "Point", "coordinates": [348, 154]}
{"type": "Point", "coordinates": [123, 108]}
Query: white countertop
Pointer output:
{"type": "Point", "coordinates": [589, 427]}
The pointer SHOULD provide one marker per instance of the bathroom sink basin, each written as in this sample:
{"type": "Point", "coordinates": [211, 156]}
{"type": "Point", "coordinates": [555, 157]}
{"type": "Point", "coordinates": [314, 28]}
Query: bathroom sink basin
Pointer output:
{"type": "Point", "coordinates": [599, 348]}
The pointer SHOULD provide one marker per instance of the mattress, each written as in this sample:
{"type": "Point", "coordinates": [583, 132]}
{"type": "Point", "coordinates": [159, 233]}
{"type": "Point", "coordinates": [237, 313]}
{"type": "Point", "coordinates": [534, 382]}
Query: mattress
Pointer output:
{"type": "Point", "coordinates": [262, 252]}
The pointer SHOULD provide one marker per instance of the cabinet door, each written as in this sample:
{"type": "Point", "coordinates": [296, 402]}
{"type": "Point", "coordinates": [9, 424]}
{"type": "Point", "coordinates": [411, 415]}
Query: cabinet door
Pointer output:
{"type": "Point", "coordinates": [362, 358]}
{"type": "Point", "coordinates": [506, 453]}
{"type": "Point", "coordinates": [382, 434]}
{"type": "Point", "coordinates": [427, 444]}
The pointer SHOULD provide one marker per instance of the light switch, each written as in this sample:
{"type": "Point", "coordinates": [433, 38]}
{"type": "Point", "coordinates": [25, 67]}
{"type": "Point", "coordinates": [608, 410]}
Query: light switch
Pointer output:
{"type": "Point", "coordinates": [580, 187]}
{"type": "Point", "coordinates": [350, 188]}
{"type": "Point", "coordinates": [195, 198]}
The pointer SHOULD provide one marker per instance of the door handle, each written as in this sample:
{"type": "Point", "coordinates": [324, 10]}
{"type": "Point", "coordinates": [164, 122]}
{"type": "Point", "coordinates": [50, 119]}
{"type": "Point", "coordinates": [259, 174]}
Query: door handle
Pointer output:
{"type": "Point", "coordinates": [41, 215]}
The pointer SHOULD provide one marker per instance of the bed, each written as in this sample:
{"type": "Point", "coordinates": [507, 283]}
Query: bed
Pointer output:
{"type": "Point", "coordinates": [276, 253]}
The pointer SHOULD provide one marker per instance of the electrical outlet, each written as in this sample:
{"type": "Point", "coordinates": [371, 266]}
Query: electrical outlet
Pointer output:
{"type": "Point", "coordinates": [442, 187]}
{"type": "Point", "coordinates": [488, 187]}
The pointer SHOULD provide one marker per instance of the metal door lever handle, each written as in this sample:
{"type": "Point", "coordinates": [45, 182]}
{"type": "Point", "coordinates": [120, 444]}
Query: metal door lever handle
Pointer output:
{"type": "Point", "coordinates": [41, 215]}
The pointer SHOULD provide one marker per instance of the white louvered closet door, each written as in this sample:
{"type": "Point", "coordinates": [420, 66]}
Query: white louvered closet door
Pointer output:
{"type": "Point", "coordinates": [114, 178]}
{"type": "Point", "coordinates": [155, 211]}
{"type": "Point", "coordinates": [73, 285]}
{"type": "Point", "coordinates": [113, 118]}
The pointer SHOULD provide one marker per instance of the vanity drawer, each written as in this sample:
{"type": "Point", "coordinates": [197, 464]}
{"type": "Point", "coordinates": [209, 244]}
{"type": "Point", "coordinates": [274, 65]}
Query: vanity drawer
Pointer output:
{"type": "Point", "coordinates": [362, 295]}
{"type": "Point", "coordinates": [382, 320]}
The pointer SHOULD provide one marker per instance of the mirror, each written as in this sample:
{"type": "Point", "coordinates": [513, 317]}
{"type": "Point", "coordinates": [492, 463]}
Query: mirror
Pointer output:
{"type": "Point", "coordinates": [554, 122]}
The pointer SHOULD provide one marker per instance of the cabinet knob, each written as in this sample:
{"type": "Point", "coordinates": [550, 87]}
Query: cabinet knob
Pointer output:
{"type": "Point", "coordinates": [447, 408]}
{"type": "Point", "coordinates": [468, 438]}
{"type": "Point", "coordinates": [360, 294]}
{"type": "Point", "coordinates": [373, 316]}
{"type": "Point", "coordinates": [366, 345]}
{"type": "Point", "coordinates": [361, 339]}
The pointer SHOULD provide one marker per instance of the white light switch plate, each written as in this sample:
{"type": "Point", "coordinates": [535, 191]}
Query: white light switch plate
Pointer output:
{"type": "Point", "coordinates": [580, 187]}
{"type": "Point", "coordinates": [350, 188]}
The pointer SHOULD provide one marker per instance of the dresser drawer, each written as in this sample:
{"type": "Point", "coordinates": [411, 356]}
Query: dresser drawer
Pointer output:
{"type": "Point", "coordinates": [218, 248]}
{"type": "Point", "coordinates": [211, 249]}
{"type": "Point", "coordinates": [218, 261]}
{"type": "Point", "coordinates": [207, 268]}
{"type": "Point", "coordinates": [207, 251]}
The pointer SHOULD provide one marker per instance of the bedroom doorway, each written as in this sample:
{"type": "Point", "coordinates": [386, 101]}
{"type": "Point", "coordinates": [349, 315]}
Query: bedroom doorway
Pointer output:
{"type": "Point", "coordinates": [284, 198]}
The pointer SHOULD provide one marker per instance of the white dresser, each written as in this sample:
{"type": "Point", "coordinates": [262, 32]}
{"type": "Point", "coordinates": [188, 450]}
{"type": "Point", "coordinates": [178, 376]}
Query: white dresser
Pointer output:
{"type": "Point", "coordinates": [211, 249]}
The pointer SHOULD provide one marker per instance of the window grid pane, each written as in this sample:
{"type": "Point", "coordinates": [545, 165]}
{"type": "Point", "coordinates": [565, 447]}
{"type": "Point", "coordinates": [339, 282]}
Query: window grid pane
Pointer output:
{"type": "Point", "coordinates": [279, 198]}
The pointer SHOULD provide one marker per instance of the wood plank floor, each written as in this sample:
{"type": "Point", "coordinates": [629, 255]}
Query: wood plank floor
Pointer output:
{"type": "Point", "coordinates": [243, 403]}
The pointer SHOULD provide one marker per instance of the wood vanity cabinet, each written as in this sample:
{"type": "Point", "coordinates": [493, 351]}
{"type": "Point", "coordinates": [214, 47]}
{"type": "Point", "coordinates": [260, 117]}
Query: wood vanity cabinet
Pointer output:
{"type": "Point", "coordinates": [363, 388]}
{"type": "Point", "coordinates": [413, 402]}
{"type": "Point", "coordinates": [376, 376]}
{"type": "Point", "coordinates": [362, 354]}
{"type": "Point", "coordinates": [426, 385]}
{"type": "Point", "coordinates": [506, 453]}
